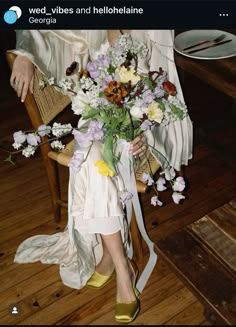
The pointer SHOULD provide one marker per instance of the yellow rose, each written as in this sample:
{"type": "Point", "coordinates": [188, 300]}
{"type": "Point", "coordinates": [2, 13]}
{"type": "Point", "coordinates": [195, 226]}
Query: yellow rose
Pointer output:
{"type": "Point", "coordinates": [154, 112]}
{"type": "Point", "coordinates": [127, 75]}
{"type": "Point", "coordinates": [103, 168]}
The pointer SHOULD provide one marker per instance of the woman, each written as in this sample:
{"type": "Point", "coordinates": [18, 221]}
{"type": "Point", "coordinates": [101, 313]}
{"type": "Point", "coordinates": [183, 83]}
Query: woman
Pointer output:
{"type": "Point", "coordinates": [94, 246]}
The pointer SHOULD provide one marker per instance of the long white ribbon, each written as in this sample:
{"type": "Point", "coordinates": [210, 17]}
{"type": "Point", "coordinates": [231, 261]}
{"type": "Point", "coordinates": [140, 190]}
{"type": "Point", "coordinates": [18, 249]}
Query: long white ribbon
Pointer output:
{"type": "Point", "coordinates": [126, 171]}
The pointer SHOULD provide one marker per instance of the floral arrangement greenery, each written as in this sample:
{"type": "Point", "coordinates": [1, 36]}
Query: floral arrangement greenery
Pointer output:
{"type": "Point", "coordinates": [116, 101]}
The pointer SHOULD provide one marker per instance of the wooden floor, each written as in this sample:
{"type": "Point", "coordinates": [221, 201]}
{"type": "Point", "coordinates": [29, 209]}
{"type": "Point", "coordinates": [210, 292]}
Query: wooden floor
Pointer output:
{"type": "Point", "coordinates": [26, 211]}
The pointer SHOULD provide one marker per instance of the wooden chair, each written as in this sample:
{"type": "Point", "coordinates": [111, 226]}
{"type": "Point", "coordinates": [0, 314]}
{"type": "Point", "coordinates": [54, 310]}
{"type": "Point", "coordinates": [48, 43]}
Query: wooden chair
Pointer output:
{"type": "Point", "coordinates": [43, 107]}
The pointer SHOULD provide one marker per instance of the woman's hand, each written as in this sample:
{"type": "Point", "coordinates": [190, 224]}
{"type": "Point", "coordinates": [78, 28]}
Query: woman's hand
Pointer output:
{"type": "Point", "coordinates": [138, 146]}
{"type": "Point", "coordinates": [22, 76]}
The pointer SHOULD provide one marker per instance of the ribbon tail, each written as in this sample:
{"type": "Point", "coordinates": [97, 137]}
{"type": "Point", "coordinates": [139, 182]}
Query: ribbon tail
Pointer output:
{"type": "Point", "coordinates": [140, 222]}
{"type": "Point", "coordinates": [126, 171]}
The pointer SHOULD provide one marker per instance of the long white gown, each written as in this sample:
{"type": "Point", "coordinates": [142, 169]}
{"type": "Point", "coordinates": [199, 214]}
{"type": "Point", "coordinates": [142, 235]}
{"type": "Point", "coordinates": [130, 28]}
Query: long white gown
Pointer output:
{"type": "Point", "coordinates": [94, 203]}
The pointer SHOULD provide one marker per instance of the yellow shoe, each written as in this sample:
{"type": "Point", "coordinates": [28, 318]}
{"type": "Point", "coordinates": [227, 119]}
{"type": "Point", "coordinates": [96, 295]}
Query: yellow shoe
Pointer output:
{"type": "Point", "coordinates": [127, 312]}
{"type": "Point", "coordinates": [98, 280]}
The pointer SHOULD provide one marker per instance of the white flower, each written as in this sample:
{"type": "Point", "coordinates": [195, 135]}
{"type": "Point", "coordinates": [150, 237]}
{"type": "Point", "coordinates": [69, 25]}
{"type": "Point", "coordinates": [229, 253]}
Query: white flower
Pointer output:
{"type": "Point", "coordinates": [160, 184]}
{"type": "Point", "coordinates": [57, 145]}
{"type": "Point", "coordinates": [33, 139]}
{"type": "Point", "coordinates": [59, 129]}
{"type": "Point", "coordinates": [155, 201]}
{"type": "Point", "coordinates": [136, 112]}
{"type": "Point", "coordinates": [29, 151]}
{"type": "Point", "coordinates": [62, 84]}
{"type": "Point", "coordinates": [177, 197]}
{"type": "Point", "coordinates": [16, 145]}
{"type": "Point", "coordinates": [179, 184]}
{"type": "Point", "coordinates": [44, 130]}
{"type": "Point", "coordinates": [154, 112]}
{"type": "Point", "coordinates": [19, 137]}
{"type": "Point", "coordinates": [51, 81]}
{"type": "Point", "coordinates": [42, 84]}
{"type": "Point", "coordinates": [86, 82]}
{"type": "Point", "coordinates": [79, 102]}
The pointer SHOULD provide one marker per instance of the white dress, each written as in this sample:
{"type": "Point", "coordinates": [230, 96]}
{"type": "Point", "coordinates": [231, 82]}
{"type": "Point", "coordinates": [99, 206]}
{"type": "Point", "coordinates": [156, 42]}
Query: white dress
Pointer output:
{"type": "Point", "coordinates": [94, 203]}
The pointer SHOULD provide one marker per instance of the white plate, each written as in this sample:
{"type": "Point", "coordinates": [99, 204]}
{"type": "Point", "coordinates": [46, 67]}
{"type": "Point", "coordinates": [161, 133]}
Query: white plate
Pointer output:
{"type": "Point", "coordinates": [188, 38]}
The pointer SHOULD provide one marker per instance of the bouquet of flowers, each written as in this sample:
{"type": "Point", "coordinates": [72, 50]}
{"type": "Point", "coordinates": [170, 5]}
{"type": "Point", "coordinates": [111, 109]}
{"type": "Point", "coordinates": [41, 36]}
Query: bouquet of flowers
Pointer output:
{"type": "Point", "coordinates": [116, 101]}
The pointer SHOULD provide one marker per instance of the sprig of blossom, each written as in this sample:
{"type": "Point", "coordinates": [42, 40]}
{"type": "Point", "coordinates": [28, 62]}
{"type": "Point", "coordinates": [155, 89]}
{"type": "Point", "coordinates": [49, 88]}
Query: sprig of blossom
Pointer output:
{"type": "Point", "coordinates": [176, 183]}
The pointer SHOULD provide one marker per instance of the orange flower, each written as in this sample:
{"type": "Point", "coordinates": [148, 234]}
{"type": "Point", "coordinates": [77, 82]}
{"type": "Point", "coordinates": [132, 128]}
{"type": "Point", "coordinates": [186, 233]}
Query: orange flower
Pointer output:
{"type": "Point", "coordinates": [83, 72]}
{"type": "Point", "coordinates": [115, 91]}
{"type": "Point", "coordinates": [169, 87]}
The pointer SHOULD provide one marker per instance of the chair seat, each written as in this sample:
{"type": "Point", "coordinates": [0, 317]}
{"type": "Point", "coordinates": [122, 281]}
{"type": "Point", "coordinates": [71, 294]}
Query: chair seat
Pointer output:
{"type": "Point", "coordinates": [63, 157]}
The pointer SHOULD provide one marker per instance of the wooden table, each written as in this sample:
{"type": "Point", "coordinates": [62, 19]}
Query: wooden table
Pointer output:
{"type": "Point", "coordinates": [219, 73]}
{"type": "Point", "coordinates": [203, 255]}
{"type": "Point", "coordinates": [205, 266]}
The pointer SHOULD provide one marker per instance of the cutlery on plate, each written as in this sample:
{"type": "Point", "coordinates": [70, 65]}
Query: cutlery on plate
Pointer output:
{"type": "Point", "coordinates": [209, 46]}
{"type": "Point", "coordinates": [218, 39]}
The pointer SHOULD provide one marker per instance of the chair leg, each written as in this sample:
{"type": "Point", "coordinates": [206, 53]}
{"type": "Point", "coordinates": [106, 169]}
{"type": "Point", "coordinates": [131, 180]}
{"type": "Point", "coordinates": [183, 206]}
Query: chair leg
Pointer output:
{"type": "Point", "coordinates": [136, 238]}
{"type": "Point", "coordinates": [54, 186]}
{"type": "Point", "coordinates": [53, 181]}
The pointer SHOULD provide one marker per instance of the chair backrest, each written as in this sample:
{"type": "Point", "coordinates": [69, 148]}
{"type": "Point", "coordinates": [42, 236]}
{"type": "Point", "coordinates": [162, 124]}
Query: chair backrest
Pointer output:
{"type": "Point", "coordinates": [45, 104]}
{"type": "Point", "coordinates": [50, 101]}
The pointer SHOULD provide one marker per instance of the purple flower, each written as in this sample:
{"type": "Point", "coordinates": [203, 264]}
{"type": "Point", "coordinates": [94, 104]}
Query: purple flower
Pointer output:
{"type": "Point", "coordinates": [155, 201]}
{"type": "Point", "coordinates": [125, 196]}
{"type": "Point", "coordinates": [105, 82]}
{"type": "Point", "coordinates": [93, 70]}
{"type": "Point", "coordinates": [44, 130]}
{"type": "Point", "coordinates": [19, 137]}
{"type": "Point", "coordinates": [95, 130]}
{"type": "Point", "coordinates": [146, 125]}
{"type": "Point", "coordinates": [177, 197]}
{"type": "Point", "coordinates": [33, 139]}
{"type": "Point", "coordinates": [94, 133]}
{"type": "Point", "coordinates": [161, 184]}
{"type": "Point", "coordinates": [148, 98]}
{"type": "Point", "coordinates": [159, 92]}
{"type": "Point", "coordinates": [103, 61]}
{"type": "Point", "coordinates": [76, 161]}
{"type": "Point", "coordinates": [179, 184]}
{"type": "Point", "coordinates": [146, 178]}
{"type": "Point", "coordinates": [82, 139]}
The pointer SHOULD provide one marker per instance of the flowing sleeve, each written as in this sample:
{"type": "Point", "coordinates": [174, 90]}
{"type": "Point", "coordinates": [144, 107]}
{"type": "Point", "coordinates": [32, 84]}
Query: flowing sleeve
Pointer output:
{"type": "Point", "coordinates": [173, 142]}
{"type": "Point", "coordinates": [52, 51]}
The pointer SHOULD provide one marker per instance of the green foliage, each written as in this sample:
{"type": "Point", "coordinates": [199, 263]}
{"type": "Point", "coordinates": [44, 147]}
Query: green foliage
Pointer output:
{"type": "Point", "coordinates": [177, 111]}
{"type": "Point", "coordinates": [161, 105]}
{"type": "Point", "coordinates": [10, 159]}
{"type": "Point", "coordinates": [108, 151]}
{"type": "Point", "coordinates": [146, 80]}
{"type": "Point", "coordinates": [111, 69]}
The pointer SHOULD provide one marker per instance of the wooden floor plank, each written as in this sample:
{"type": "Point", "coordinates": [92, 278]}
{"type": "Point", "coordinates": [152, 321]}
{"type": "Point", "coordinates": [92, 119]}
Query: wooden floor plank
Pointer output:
{"type": "Point", "coordinates": [36, 302]}
{"type": "Point", "coordinates": [22, 290]}
{"type": "Point", "coordinates": [192, 315]}
{"type": "Point", "coordinates": [166, 309]}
